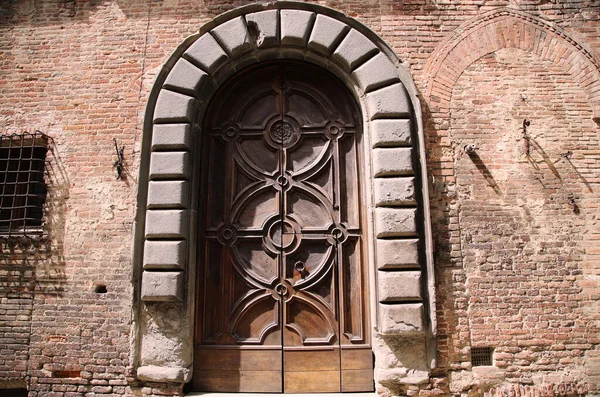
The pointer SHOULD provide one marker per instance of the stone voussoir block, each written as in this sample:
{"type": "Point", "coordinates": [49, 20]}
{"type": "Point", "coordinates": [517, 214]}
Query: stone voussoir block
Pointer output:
{"type": "Point", "coordinates": [375, 73]}
{"type": "Point", "coordinates": [353, 50]}
{"type": "Point", "coordinates": [296, 26]}
{"type": "Point", "coordinates": [395, 222]}
{"type": "Point", "coordinates": [168, 194]}
{"type": "Point", "coordinates": [171, 137]}
{"type": "Point", "coordinates": [174, 107]}
{"type": "Point", "coordinates": [389, 102]}
{"type": "Point", "coordinates": [391, 132]}
{"type": "Point", "coordinates": [392, 162]}
{"type": "Point", "coordinates": [397, 286]}
{"type": "Point", "coordinates": [401, 318]}
{"type": "Point", "coordinates": [392, 192]}
{"type": "Point", "coordinates": [162, 286]}
{"type": "Point", "coordinates": [170, 165]}
{"type": "Point", "coordinates": [185, 77]}
{"type": "Point", "coordinates": [234, 37]}
{"type": "Point", "coordinates": [166, 224]}
{"type": "Point", "coordinates": [326, 34]}
{"type": "Point", "coordinates": [206, 53]}
{"type": "Point", "coordinates": [265, 24]}
{"type": "Point", "coordinates": [397, 254]}
{"type": "Point", "coordinates": [166, 254]}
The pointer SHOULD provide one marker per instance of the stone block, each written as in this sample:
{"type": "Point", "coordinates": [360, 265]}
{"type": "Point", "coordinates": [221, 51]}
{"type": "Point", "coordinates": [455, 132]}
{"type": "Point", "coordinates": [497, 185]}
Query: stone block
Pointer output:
{"type": "Point", "coordinates": [392, 162]}
{"type": "Point", "coordinates": [393, 132]}
{"type": "Point", "coordinates": [295, 27]}
{"type": "Point", "coordinates": [489, 373]}
{"type": "Point", "coordinates": [391, 101]}
{"type": "Point", "coordinates": [170, 165]}
{"type": "Point", "coordinates": [354, 50]}
{"type": "Point", "coordinates": [265, 24]}
{"type": "Point", "coordinates": [462, 380]}
{"type": "Point", "coordinates": [174, 107]}
{"type": "Point", "coordinates": [168, 194]}
{"type": "Point", "coordinates": [165, 332]}
{"type": "Point", "coordinates": [153, 373]}
{"type": "Point", "coordinates": [171, 137]}
{"type": "Point", "coordinates": [375, 73]}
{"type": "Point", "coordinates": [403, 318]}
{"type": "Point", "coordinates": [399, 286]}
{"type": "Point", "coordinates": [397, 254]}
{"type": "Point", "coordinates": [162, 286]}
{"type": "Point", "coordinates": [395, 222]}
{"type": "Point", "coordinates": [401, 359]}
{"type": "Point", "coordinates": [326, 34]}
{"type": "Point", "coordinates": [165, 254]}
{"type": "Point", "coordinates": [394, 192]}
{"type": "Point", "coordinates": [206, 53]}
{"type": "Point", "coordinates": [185, 77]}
{"type": "Point", "coordinates": [166, 224]}
{"type": "Point", "coordinates": [234, 37]}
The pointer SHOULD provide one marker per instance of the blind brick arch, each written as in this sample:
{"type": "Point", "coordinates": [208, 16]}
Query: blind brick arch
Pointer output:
{"type": "Point", "coordinates": [508, 28]}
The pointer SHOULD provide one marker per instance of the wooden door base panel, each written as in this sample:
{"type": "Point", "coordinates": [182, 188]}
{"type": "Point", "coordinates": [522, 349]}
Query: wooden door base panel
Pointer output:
{"type": "Point", "coordinates": [251, 381]}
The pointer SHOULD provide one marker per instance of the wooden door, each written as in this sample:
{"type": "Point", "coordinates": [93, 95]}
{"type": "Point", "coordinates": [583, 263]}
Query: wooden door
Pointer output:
{"type": "Point", "coordinates": [282, 303]}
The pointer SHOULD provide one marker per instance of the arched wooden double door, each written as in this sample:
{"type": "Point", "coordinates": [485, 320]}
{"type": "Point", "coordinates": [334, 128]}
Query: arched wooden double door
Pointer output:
{"type": "Point", "coordinates": [282, 285]}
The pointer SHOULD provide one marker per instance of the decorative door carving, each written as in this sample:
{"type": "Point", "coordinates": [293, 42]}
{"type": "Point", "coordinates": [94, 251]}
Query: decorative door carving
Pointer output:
{"type": "Point", "coordinates": [282, 300]}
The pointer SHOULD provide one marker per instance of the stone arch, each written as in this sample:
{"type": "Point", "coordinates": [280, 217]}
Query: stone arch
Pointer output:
{"type": "Point", "coordinates": [508, 28]}
{"type": "Point", "coordinates": [397, 197]}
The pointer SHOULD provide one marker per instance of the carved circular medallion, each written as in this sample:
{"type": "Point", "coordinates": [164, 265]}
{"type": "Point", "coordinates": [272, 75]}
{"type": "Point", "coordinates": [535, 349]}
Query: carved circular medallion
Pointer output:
{"type": "Point", "coordinates": [281, 236]}
{"type": "Point", "coordinates": [230, 132]}
{"type": "Point", "coordinates": [282, 132]}
{"type": "Point", "coordinates": [226, 235]}
{"type": "Point", "coordinates": [338, 233]}
{"type": "Point", "coordinates": [283, 182]}
{"type": "Point", "coordinates": [334, 130]}
{"type": "Point", "coordinates": [283, 290]}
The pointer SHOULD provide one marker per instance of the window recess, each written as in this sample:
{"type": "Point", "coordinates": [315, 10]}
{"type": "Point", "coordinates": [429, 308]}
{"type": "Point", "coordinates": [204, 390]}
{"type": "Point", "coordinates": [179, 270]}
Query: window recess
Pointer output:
{"type": "Point", "coordinates": [22, 186]}
{"type": "Point", "coordinates": [482, 356]}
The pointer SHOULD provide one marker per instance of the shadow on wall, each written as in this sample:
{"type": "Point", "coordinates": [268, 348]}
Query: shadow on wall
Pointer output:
{"type": "Point", "coordinates": [533, 145]}
{"type": "Point", "coordinates": [485, 172]}
{"type": "Point", "coordinates": [439, 189]}
{"type": "Point", "coordinates": [442, 191]}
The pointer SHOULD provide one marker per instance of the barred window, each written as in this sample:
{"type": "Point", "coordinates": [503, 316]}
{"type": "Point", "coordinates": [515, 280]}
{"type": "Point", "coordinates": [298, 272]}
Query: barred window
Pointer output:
{"type": "Point", "coordinates": [22, 187]}
{"type": "Point", "coordinates": [482, 356]}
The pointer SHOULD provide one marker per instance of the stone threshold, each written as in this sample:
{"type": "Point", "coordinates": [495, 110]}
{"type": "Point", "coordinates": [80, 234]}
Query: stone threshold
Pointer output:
{"type": "Point", "coordinates": [208, 394]}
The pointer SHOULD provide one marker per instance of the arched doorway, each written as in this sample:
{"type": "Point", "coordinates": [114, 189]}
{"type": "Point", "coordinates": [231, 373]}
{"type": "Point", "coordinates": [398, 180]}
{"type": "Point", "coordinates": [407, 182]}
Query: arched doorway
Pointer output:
{"type": "Point", "coordinates": [282, 301]}
{"type": "Point", "coordinates": [401, 325]}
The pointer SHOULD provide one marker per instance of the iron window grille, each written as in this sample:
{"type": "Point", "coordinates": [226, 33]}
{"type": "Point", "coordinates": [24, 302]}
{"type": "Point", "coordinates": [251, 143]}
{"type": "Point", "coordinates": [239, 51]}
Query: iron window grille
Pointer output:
{"type": "Point", "coordinates": [22, 187]}
{"type": "Point", "coordinates": [482, 356]}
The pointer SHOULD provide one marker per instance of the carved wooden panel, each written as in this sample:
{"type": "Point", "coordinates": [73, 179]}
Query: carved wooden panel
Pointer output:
{"type": "Point", "coordinates": [281, 246]}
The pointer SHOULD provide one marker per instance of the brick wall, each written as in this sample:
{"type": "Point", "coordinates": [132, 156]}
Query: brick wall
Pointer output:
{"type": "Point", "coordinates": [516, 235]}
{"type": "Point", "coordinates": [522, 210]}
